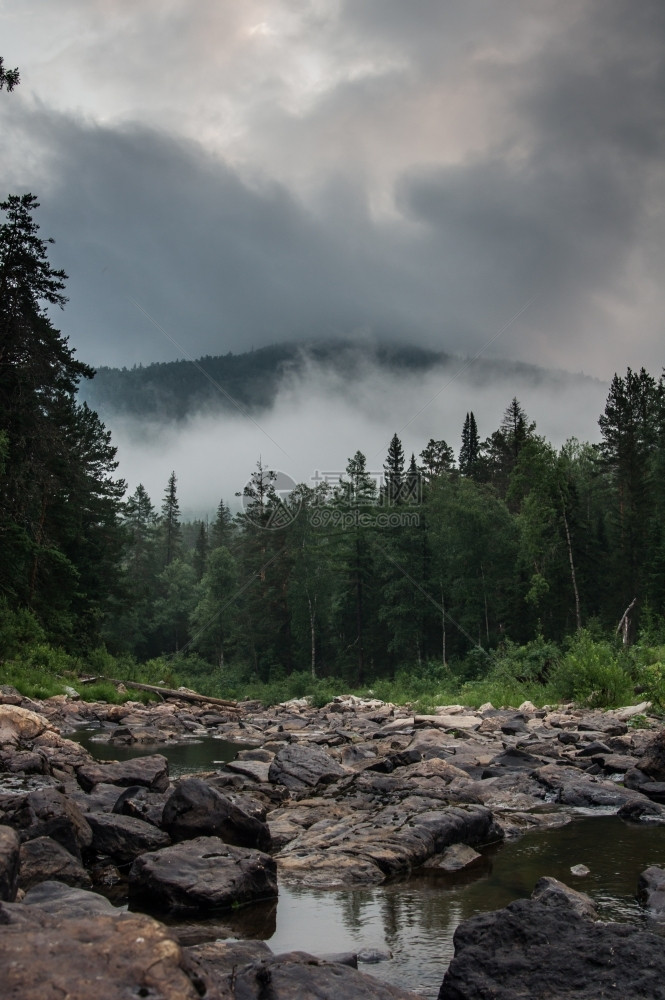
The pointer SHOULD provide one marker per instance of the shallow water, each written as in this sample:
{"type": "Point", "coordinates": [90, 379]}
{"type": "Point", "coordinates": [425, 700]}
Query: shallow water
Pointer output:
{"type": "Point", "coordinates": [202, 753]}
{"type": "Point", "coordinates": [415, 918]}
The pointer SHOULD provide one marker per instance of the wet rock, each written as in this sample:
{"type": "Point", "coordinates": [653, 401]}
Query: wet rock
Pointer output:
{"type": "Point", "coordinates": [534, 948]}
{"type": "Point", "coordinates": [9, 863]}
{"type": "Point", "coordinates": [642, 810]}
{"type": "Point", "coordinates": [550, 891]}
{"type": "Point", "coordinates": [202, 874]}
{"type": "Point", "coordinates": [453, 859]}
{"type": "Point", "coordinates": [293, 976]}
{"type": "Point", "coordinates": [367, 847]}
{"type": "Point", "coordinates": [572, 787]}
{"type": "Point", "coordinates": [123, 838]}
{"type": "Point", "coordinates": [302, 768]}
{"type": "Point", "coordinates": [47, 812]}
{"type": "Point", "coordinates": [114, 956]}
{"type": "Point", "coordinates": [197, 810]}
{"type": "Point", "coordinates": [651, 890]}
{"type": "Point", "coordinates": [43, 859]}
{"type": "Point", "coordinates": [150, 772]}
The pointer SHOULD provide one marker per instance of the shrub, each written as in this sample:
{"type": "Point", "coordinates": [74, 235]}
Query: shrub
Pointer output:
{"type": "Point", "coordinates": [593, 672]}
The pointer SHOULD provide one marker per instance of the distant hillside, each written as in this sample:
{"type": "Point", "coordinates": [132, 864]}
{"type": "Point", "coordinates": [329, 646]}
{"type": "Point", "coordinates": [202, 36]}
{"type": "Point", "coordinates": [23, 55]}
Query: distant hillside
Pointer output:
{"type": "Point", "coordinates": [173, 390]}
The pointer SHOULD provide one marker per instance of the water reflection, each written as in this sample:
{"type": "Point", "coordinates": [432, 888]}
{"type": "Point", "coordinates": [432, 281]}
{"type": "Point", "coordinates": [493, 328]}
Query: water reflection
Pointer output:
{"type": "Point", "coordinates": [416, 918]}
{"type": "Point", "coordinates": [201, 754]}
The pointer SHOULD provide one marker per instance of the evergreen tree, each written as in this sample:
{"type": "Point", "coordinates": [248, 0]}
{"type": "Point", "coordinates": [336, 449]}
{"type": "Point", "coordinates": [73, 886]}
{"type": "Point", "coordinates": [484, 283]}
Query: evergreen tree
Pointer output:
{"type": "Point", "coordinates": [170, 521]}
{"type": "Point", "coordinates": [222, 532]}
{"type": "Point", "coordinates": [59, 502]}
{"type": "Point", "coordinates": [9, 78]}
{"type": "Point", "coordinates": [438, 459]}
{"type": "Point", "coordinates": [470, 451]}
{"type": "Point", "coordinates": [200, 556]}
{"type": "Point", "coordinates": [629, 431]}
{"type": "Point", "coordinates": [393, 469]}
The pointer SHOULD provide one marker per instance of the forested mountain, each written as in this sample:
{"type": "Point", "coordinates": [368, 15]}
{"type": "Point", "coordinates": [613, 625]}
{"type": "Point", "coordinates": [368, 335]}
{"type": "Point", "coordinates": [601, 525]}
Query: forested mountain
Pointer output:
{"type": "Point", "coordinates": [175, 389]}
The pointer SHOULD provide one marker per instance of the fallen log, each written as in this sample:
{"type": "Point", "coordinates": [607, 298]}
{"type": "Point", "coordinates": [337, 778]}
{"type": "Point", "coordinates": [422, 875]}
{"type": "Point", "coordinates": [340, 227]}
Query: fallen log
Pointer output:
{"type": "Point", "coordinates": [165, 692]}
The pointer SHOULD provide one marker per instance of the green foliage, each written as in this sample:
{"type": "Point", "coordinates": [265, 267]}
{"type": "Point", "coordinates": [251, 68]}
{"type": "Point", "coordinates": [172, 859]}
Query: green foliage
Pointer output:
{"type": "Point", "coordinates": [594, 673]}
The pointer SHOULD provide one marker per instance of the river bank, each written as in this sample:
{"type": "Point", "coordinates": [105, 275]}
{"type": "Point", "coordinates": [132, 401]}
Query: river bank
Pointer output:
{"type": "Point", "coordinates": [345, 796]}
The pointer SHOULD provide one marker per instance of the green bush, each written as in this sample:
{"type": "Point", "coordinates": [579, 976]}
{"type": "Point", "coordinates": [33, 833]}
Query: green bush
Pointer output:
{"type": "Point", "coordinates": [593, 672]}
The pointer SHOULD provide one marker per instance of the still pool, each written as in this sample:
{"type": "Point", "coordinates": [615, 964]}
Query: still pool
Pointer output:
{"type": "Point", "coordinates": [414, 918]}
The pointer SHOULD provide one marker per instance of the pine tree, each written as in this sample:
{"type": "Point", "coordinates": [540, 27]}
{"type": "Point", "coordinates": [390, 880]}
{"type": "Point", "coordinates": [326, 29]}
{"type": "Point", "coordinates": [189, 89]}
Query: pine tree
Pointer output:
{"type": "Point", "coordinates": [200, 556]}
{"type": "Point", "coordinates": [170, 521]}
{"type": "Point", "coordinates": [223, 529]}
{"type": "Point", "coordinates": [438, 459]}
{"type": "Point", "coordinates": [393, 469]}
{"type": "Point", "coordinates": [9, 78]}
{"type": "Point", "coordinates": [470, 450]}
{"type": "Point", "coordinates": [59, 502]}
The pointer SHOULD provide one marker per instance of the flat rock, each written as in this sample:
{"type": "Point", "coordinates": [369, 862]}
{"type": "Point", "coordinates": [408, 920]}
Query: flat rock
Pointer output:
{"type": "Point", "coordinates": [117, 957]}
{"type": "Point", "coordinates": [150, 772]}
{"type": "Point", "coordinates": [446, 722]}
{"type": "Point", "coordinates": [201, 874]}
{"type": "Point", "coordinates": [300, 768]}
{"type": "Point", "coordinates": [453, 859]}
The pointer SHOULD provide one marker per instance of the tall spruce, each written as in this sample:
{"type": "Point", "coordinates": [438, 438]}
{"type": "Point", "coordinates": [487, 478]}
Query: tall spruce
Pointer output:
{"type": "Point", "coordinates": [59, 500]}
{"type": "Point", "coordinates": [393, 473]}
{"type": "Point", "coordinates": [470, 450]}
{"type": "Point", "coordinates": [170, 521]}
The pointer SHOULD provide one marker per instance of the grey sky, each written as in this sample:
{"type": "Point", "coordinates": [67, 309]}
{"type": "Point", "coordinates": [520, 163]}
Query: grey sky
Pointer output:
{"type": "Point", "coordinates": [271, 169]}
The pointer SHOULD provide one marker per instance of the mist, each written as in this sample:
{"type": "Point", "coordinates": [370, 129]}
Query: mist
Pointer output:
{"type": "Point", "coordinates": [320, 419]}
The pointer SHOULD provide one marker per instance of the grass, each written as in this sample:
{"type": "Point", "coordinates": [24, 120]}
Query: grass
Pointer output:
{"type": "Point", "coordinates": [590, 671]}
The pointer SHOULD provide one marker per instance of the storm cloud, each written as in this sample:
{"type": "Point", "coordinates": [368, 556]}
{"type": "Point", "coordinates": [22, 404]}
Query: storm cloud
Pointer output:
{"type": "Point", "coordinates": [220, 176]}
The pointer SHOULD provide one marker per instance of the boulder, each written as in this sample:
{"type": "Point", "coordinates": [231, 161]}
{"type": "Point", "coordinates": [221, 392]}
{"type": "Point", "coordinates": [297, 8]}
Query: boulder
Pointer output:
{"type": "Point", "coordinates": [60, 900]}
{"type": "Point", "coordinates": [123, 838]}
{"type": "Point", "coordinates": [301, 768]}
{"type": "Point", "coordinates": [651, 890]}
{"type": "Point", "coordinates": [203, 874]}
{"type": "Point", "coordinates": [547, 948]}
{"type": "Point", "coordinates": [150, 772]}
{"type": "Point", "coordinates": [197, 810]}
{"type": "Point", "coordinates": [9, 863]}
{"type": "Point", "coordinates": [293, 976]}
{"type": "Point", "coordinates": [652, 762]}
{"type": "Point", "coordinates": [47, 812]}
{"type": "Point", "coordinates": [111, 955]}
{"type": "Point", "coordinates": [20, 725]}
{"type": "Point", "coordinates": [44, 859]}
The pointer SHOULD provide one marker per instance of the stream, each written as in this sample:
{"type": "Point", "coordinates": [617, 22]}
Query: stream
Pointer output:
{"type": "Point", "coordinates": [414, 918]}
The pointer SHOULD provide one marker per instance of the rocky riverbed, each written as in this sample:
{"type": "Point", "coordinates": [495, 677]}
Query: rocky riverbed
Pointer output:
{"type": "Point", "coordinates": [348, 795]}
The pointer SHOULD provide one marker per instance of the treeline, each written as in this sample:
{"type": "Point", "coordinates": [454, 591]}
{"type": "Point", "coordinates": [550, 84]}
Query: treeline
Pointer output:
{"type": "Point", "coordinates": [440, 558]}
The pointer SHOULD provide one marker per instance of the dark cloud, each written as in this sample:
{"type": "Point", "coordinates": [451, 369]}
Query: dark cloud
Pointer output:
{"type": "Point", "coordinates": [450, 163]}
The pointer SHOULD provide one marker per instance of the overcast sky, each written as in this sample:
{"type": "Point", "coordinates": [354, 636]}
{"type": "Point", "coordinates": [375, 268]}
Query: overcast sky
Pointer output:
{"type": "Point", "coordinates": [248, 171]}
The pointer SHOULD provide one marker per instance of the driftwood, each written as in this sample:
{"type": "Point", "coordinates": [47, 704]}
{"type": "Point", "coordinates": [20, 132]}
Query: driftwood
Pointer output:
{"type": "Point", "coordinates": [166, 692]}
